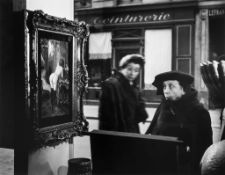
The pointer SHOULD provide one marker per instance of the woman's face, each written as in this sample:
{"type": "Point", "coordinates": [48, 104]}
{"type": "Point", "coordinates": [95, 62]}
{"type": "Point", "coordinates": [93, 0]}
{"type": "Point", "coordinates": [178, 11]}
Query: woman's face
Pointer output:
{"type": "Point", "coordinates": [131, 71]}
{"type": "Point", "coordinates": [172, 90]}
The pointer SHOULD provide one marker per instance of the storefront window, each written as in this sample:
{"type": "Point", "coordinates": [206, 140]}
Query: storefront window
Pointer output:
{"type": "Point", "coordinates": [98, 71]}
{"type": "Point", "coordinates": [82, 4]}
{"type": "Point", "coordinates": [216, 46]}
{"type": "Point", "coordinates": [216, 33]}
{"type": "Point", "coordinates": [98, 62]}
{"type": "Point", "coordinates": [122, 2]}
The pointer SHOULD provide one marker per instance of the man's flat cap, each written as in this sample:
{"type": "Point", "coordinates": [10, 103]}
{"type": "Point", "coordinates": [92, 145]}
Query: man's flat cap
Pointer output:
{"type": "Point", "coordinates": [182, 78]}
{"type": "Point", "coordinates": [137, 58]}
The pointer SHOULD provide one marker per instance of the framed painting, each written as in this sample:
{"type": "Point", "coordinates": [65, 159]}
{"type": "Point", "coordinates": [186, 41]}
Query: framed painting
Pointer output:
{"type": "Point", "coordinates": [55, 77]}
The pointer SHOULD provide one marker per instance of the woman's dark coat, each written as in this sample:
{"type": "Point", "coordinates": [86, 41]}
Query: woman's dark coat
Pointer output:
{"type": "Point", "coordinates": [121, 106]}
{"type": "Point", "coordinates": [186, 119]}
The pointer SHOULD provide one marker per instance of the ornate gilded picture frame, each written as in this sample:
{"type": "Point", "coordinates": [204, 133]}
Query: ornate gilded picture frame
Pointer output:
{"type": "Point", "coordinates": [55, 77]}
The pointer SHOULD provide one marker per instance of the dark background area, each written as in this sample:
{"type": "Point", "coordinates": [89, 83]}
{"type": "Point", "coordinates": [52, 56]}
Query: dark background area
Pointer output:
{"type": "Point", "coordinates": [7, 76]}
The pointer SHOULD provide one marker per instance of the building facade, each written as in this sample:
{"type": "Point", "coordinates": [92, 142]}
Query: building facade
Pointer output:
{"type": "Point", "coordinates": [171, 34]}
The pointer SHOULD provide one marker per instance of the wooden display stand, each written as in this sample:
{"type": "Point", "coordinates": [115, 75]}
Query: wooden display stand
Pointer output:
{"type": "Point", "coordinates": [128, 153]}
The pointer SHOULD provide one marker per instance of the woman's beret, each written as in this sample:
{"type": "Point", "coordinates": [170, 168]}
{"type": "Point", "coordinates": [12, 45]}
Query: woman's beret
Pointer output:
{"type": "Point", "coordinates": [137, 58]}
{"type": "Point", "coordinates": [182, 78]}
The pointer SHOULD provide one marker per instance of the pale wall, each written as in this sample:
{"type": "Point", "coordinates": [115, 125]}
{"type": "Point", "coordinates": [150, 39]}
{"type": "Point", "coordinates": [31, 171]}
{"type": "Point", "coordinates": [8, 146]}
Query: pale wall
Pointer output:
{"type": "Point", "coordinates": [49, 161]}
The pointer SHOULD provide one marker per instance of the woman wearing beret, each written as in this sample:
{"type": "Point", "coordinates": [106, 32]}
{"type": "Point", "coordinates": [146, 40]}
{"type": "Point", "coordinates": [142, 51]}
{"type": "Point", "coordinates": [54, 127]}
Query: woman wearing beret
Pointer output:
{"type": "Point", "coordinates": [181, 115]}
{"type": "Point", "coordinates": [121, 105]}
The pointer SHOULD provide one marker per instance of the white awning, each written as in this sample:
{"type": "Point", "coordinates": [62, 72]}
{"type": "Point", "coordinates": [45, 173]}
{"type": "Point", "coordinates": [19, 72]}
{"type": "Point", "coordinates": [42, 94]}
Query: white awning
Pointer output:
{"type": "Point", "coordinates": [100, 45]}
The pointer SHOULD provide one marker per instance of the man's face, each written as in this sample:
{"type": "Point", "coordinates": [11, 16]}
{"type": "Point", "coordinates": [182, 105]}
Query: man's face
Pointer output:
{"type": "Point", "coordinates": [131, 71]}
{"type": "Point", "coordinates": [172, 90]}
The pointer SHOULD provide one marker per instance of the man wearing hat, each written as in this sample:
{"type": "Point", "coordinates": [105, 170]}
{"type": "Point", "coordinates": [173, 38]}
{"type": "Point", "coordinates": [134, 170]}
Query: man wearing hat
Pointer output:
{"type": "Point", "coordinates": [121, 105]}
{"type": "Point", "coordinates": [181, 115]}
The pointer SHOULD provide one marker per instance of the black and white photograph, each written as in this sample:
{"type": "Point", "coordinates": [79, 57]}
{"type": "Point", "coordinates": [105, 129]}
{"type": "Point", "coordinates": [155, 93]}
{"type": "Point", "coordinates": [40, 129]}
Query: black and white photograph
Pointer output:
{"type": "Point", "coordinates": [112, 87]}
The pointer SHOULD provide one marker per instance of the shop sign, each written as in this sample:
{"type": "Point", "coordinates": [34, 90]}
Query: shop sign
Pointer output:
{"type": "Point", "coordinates": [216, 12]}
{"type": "Point", "coordinates": [130, 18]}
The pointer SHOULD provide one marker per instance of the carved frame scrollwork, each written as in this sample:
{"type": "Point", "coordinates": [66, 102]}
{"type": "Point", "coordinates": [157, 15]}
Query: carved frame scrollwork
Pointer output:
{"type": "Point", "coordinates": [35, 23]}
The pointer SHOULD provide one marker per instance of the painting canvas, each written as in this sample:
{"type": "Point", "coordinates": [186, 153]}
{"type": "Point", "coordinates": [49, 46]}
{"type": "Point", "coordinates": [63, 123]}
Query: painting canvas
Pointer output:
{"type": "Point", "coordinates": [55, 77]}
